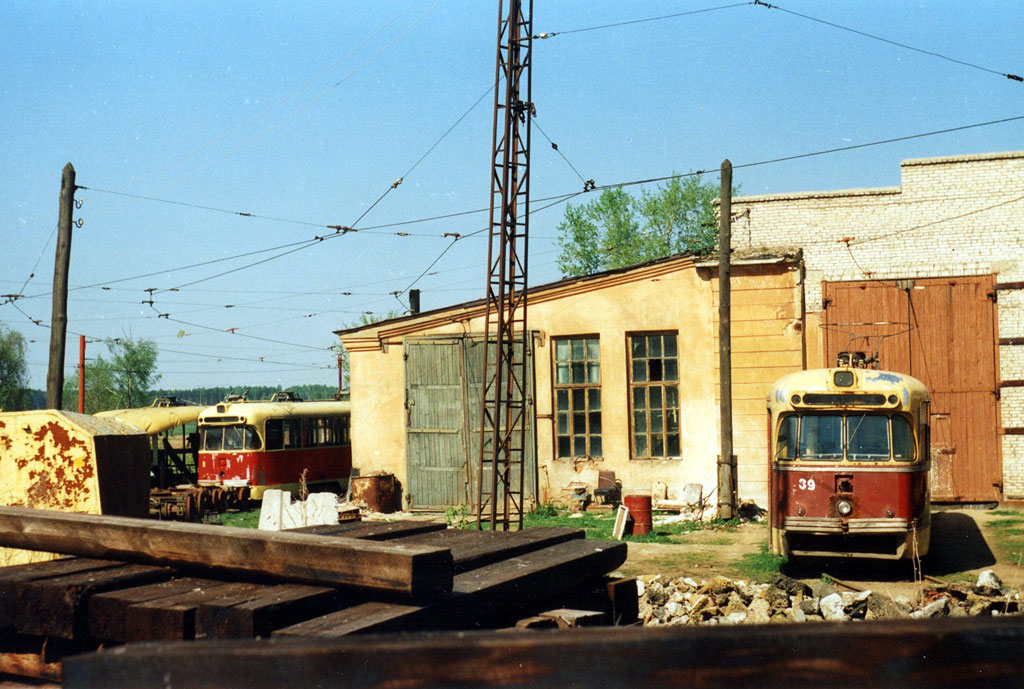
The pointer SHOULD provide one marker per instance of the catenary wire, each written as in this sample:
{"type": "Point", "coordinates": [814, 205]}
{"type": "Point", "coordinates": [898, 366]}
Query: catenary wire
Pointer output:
{"type": "Point", "coordinates": [1012, 77]}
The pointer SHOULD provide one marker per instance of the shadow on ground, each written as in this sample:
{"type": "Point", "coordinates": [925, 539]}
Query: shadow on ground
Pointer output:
{"type": "Point", "coordinates": [957, 545]}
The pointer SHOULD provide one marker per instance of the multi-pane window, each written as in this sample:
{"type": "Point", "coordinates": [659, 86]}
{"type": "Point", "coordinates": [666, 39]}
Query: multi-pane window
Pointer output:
{"type": "Point", "coordinates": [654, 394]}
{"type": "Point", "coordinates": [578, 397]}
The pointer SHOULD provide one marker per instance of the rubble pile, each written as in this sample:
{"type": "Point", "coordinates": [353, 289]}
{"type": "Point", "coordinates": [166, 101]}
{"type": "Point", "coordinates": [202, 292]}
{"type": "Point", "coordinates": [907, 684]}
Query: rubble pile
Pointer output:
{"type": "Point", "coordinates": [675, 601]}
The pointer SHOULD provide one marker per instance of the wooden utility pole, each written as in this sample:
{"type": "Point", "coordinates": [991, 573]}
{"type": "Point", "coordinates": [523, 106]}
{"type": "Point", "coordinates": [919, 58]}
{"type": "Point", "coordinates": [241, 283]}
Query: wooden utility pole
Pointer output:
{"type": "Point", "coordinates": [726, 460]}
{"type": "Point", "coordinates": [59, 322]}
{"type": "Point", "coordinates": [81, 375]}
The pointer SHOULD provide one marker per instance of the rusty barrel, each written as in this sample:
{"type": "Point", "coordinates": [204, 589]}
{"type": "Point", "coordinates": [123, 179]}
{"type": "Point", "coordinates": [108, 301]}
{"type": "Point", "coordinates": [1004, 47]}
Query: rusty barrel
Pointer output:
{"type": "Point", "coordinates": [639, 507]}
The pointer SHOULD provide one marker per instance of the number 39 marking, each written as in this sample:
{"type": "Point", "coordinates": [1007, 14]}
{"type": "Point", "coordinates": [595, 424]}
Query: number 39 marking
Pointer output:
{"type": "Point", "coordinates": [806, 484]}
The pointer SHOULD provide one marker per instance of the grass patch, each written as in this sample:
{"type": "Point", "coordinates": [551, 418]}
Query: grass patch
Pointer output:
{"type": "Point", "coordinates": [1008, 534]}
{"type": "Point", "coordinates": [246, 519]}
{"type": "Point", "coordinates": [600, 524]}
{"type": "Point", "coordinates": [759, 566]}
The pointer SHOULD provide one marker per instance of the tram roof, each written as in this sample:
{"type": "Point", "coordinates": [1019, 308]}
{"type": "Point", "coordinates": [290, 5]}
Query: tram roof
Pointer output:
{"type": "Point", "coordinates": [867, 380]}
{"type": "Point", "coordinates": [254, 409]}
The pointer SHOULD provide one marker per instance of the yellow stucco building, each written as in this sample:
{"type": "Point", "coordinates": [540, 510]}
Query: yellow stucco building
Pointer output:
{"type": "Point", "coordinates": [623, 377]}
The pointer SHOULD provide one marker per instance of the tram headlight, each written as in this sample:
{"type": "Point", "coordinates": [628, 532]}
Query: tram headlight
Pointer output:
{"type": "Point", "coordinates": [844, 508]}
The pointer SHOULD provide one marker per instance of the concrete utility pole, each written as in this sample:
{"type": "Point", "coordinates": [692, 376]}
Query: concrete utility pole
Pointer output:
{"type": "Point", "coordinates": [59, 323]}
{"type": "Point", "coordinates": [726, 460]}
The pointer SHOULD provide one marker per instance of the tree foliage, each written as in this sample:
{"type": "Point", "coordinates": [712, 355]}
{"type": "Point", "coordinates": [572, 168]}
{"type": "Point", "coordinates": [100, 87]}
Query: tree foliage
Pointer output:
{"type": "Point", "coordinates": [122, 382]}
{"type": "Point", "coordinates": [619, 229]}
{"type": "Point", "coordinates": [364, 319]}
{"type": "Point", "coordinates": [14, 393]}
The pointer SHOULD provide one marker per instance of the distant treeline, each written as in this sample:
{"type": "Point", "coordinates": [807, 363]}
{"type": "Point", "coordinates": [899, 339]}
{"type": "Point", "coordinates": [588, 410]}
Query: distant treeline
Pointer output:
{"type": "Point", "coordinates": [252, 392]}
{"type": "Point", "coordinates": [217, 394]}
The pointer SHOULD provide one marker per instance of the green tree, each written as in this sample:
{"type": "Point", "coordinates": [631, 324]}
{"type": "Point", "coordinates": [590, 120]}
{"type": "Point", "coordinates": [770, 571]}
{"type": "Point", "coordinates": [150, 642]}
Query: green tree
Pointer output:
{"type": "Point", "coordinates": [364, 319]}
{"type": "Point", "coordinates": [619, 229]}
{"type": "Point", "coordinates": [122, 382]}
{"type": "Point", "coordinates": [14, 393]}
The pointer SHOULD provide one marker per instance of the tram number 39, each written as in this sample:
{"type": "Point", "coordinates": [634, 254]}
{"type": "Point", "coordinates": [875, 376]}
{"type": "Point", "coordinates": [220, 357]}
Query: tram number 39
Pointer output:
{"type": "Point", "coordinates": [805, 484]}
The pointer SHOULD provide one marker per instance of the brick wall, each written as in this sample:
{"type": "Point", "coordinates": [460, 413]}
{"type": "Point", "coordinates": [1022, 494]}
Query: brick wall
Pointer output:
{"type": "Point", "coordinates": [952, 216]}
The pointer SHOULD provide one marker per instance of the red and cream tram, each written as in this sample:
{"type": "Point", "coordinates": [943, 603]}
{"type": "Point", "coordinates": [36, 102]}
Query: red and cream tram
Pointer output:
{"type": "Point", "coordinates": [849, 464]}
{"type": "Point", "coordinates": [261, 445]}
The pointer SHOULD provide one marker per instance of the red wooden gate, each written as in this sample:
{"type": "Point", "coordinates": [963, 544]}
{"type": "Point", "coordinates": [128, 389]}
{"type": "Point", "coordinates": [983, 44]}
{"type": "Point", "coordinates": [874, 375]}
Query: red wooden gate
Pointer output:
{"type": "Point", "coordinates": [942, 331]}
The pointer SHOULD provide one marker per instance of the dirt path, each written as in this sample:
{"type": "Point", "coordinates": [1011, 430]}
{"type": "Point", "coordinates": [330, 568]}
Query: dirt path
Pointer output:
{"type": "Point", "coordinates": [962, 546]}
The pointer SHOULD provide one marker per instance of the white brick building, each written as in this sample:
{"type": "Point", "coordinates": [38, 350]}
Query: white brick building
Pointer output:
{"type": "Point", "coordinates": [953, 229]}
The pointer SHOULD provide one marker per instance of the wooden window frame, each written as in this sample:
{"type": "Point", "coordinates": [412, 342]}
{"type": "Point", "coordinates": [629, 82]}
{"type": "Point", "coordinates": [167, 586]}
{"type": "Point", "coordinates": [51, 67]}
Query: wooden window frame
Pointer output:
{"type": "Point", "coordinates": [667, 388]}
{"type": "Point", "coordinates": [573, 393]}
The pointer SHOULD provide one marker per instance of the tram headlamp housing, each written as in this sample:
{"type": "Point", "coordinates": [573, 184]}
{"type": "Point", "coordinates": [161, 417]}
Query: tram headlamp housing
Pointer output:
{"type": "Point", "coordinates": [843, 379]}
{"type": "Point", "coordinates": [844, 508]}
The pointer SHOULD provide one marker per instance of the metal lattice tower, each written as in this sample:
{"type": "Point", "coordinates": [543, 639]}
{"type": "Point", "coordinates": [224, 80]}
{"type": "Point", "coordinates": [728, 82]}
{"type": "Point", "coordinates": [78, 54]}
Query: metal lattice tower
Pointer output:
{"type": "Point", "coordinates": [503, 407]}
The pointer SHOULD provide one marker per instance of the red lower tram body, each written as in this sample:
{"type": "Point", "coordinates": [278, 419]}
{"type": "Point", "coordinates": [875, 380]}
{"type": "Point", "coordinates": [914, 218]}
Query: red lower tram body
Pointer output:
{"type": "Point", "coordinates": [847, 510]}
{"type": "Point", "coordinates": [260, 470]}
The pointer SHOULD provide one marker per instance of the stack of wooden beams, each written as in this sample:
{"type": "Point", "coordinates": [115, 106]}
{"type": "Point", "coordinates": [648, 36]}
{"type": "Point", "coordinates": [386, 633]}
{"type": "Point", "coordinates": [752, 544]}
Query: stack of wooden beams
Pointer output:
{"type": "Point", "coordinates": [139, 580]}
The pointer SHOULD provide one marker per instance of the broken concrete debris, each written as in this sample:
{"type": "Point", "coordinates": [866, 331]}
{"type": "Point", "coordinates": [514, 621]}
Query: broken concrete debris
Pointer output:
{"type": "Point", "coordinates": [679, 601]}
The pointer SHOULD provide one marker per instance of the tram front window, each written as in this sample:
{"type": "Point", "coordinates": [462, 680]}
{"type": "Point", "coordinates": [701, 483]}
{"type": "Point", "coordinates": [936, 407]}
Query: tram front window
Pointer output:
{"type": "Point", "coordinates": [867, 438]}
{"type": "Point", "coordinates": [821, 437]}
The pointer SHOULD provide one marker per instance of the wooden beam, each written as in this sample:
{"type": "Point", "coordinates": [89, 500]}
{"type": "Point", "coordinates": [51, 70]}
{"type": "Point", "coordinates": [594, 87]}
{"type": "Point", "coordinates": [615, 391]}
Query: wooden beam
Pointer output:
{"type": "Point", "coordinates": [496, 593]}
{"type": "Point", "coordinates": [259, 614]}
{"type": "Point", "coordinates": [108, 612]}
{"type": "Point", "coordinates": [10, 577]}
{"type": "Point", "coordinates": [174, 617]}
{"type": "Point", "coordinates": [58, 606]}
{"type": "Point", "coordinates": [472, 548]}
{"type": "Point", "coordinates": [372, 531]}
{"type": "Point", "coordinates": [909, 654]}
{"type": "Point", "coordinates": [410, 570]}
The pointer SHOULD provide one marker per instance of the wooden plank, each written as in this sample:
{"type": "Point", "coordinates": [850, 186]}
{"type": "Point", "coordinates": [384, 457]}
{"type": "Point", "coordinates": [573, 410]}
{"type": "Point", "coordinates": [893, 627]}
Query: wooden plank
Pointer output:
{"type": "Point", "coordinates": [58, 606]}
{"type": "Point", "coordinates": [28, 665]}
{"type": "Point", "coordinates": [904, 654]}
{"type": "Point", "coordinates": [174, 617]}
{"type": "Point", "coordinates": [373, 531]}
{"type": "Point", "coordinates": [108, 611]}
{"type": "Point", "coordinates": [471, 548]}
{"type": "Point", "coordinates": [11, 576]}
{"type": "Point", "coordinates": [409, 570]}
{"type": "Point", "coordinates": [260, 613]}
{"type": "Point", "coordinates": [499, 591]}
{"type": "Point", "coordinates": [363, 618]}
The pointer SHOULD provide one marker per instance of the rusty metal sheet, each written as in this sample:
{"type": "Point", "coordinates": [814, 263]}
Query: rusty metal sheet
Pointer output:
{"type": "Point", "coordinates": [50, 461]}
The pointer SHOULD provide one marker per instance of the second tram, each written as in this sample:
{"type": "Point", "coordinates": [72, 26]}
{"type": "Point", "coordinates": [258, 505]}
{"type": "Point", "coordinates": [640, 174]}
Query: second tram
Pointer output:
{"type": "Point", "coordinates": [262, 445]}
{"type": "Point", "coordinates": [849, 456]}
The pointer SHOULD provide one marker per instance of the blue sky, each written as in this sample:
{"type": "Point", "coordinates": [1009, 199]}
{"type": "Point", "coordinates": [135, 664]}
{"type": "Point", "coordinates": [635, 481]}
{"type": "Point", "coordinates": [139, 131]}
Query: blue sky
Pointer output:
{"type": "Point", "coordinates": [307, 112]}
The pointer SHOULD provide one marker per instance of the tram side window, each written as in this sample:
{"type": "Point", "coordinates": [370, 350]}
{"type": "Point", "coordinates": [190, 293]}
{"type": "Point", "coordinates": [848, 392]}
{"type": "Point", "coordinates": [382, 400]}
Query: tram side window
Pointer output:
{"type": "Point", "coordinates": [867, 438]}
{"type": "Point", "coordinates": [821, 437]}
{"type": "Point", "coordinates": [788, 430]}
{"type": "Point", "coordinates": [902, 440]}
{"type": "Point", "coordinates": [292, 434]}
{"type": "Point", "coordinates": [275, 434]}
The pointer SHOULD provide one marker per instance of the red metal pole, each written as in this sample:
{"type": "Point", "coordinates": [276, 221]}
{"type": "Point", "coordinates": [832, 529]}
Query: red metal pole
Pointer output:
{"type": "Point", "coordinates": [81, 374]}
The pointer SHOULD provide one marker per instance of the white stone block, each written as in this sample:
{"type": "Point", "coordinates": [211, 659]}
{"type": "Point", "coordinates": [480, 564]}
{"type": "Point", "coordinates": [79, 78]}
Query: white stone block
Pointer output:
{"type": "Point", "coordinates": [272, 510]}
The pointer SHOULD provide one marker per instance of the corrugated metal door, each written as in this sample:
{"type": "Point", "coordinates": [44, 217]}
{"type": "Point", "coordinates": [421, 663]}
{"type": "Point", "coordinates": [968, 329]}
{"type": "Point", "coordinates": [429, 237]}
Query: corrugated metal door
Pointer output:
{"type": "Point", "coordinates": [435, 423]}
{"type": "Point", "coordinates": [443, 388]}
{"type": "Point", "coordinates": [942, 331]}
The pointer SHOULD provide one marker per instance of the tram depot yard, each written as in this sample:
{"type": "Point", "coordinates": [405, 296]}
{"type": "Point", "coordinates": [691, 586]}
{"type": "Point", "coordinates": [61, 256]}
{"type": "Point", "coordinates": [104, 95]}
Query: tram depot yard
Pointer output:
{"type": "Point", "coordinates": [148, 603]}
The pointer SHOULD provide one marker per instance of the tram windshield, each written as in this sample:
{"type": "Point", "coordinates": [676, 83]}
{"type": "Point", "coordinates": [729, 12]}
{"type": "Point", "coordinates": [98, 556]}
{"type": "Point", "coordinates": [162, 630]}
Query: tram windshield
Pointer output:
{"type": "Point", "coordinates": [857, 437]}
{"type": "Point", "coordinates": [216, 438]}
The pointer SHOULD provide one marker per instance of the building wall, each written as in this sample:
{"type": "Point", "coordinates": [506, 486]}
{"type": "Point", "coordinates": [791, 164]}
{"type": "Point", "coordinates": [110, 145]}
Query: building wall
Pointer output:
{"type": "Point", "coordinates": [952, 216]}
{"type": "Point", "coordinates": [667, 295]}
{"type": "Point", "coordinates": [767, 343]}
